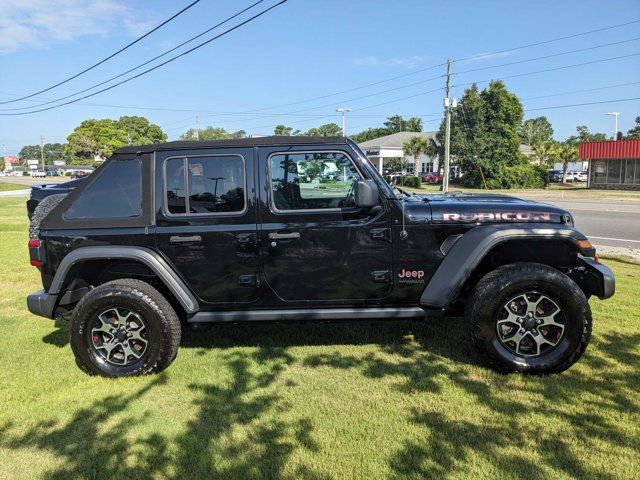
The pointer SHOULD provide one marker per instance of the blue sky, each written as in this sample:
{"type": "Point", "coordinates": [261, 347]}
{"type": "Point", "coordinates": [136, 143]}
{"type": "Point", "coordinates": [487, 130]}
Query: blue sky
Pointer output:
{"type": "Point", "coordinates": [305, 49]}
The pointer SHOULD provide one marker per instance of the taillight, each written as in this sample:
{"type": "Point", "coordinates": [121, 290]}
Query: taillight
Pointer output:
{"type": "Point", "coordinates": [36, 255]}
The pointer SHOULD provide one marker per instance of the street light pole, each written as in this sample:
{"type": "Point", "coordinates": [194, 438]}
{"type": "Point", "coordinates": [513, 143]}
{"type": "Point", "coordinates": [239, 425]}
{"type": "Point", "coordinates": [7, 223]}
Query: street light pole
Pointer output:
{"type": "Point", "coordinates": [343, 111]}
{"type": "Point", "coordinates": [615, 122]}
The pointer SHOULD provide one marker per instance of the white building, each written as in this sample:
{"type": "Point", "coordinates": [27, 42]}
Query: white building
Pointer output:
{"type": "Point", "coordinates": [390, 146]}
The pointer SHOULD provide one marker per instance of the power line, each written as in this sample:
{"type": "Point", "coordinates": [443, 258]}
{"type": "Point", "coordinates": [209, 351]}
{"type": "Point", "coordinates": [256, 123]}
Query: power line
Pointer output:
{"type": "Point", "coordinates": [583, 104]}
{"type": "Point", "coordinates": [550, 69]}
{"type": "Point", "coordinates": [544, 42]}
{"type": "Point", "coordinates": [107, 58]}
{"type": "Point", "coordinates": [548, 56]}
{"type": "Point", "coordinates": [142, 64]}
{"type": "Point", "coordinates": [200, 45]}
{"type": "Point", "coordinates": [606, 87]}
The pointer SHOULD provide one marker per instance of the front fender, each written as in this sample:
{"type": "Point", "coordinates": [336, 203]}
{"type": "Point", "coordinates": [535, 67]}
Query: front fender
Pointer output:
{"type": "Point", "coordinates": [469, 250]}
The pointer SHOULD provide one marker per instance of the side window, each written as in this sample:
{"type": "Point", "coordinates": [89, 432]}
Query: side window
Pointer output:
{"type": "Point", "coordinates": [311, 181]}
{"type": "Point", "coordinates": [116, 193]}
{"type": "Point", "coordinates": [212, 184]}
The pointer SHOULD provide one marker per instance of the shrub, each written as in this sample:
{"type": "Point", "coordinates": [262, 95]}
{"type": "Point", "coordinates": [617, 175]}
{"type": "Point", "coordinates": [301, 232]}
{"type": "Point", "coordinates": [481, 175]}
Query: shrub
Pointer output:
{"type": "Point", "coordinates": [523, 175]}
{"type": "Point", "coordinates": [413, 182]}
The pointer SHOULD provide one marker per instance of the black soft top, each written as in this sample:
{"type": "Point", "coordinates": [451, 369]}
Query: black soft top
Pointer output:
{"type": "Point", "coordinates": [274, 140]}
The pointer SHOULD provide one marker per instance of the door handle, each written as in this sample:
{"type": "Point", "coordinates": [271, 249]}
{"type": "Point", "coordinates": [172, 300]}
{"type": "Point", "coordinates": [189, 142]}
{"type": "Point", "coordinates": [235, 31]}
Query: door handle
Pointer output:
{"type": "Point", "coordinates": [179, 239]}
{"type": "Point", "coordinates": [284, 236]}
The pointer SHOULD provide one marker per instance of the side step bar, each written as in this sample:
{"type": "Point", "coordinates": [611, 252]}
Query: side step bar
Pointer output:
{"type": "Point", "coordinates": [309, 314]}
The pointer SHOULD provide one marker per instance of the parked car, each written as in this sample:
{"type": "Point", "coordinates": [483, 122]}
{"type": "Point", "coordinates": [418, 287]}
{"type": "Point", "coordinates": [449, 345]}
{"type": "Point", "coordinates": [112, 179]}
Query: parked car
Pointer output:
{"type": "Point", "coordinates": [186, 233]}
{"type": "Point", "coordinates": [42, 191]}
{"type": "Point", "coordinates": [38, 174]}
{"type": "Point", "coordinates": [432, 177]}
{"type": "Point", "coordinates": [580, 176]}
{"type": "Point", "coordinates": [79, 174]}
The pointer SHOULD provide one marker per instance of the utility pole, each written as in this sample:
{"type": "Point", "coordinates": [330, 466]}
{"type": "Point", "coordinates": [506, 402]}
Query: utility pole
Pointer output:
{"type": "Point", "coordinates": [615, 120]}
{"type": "Point", "coordinates": [42, 150]}
{"type": "Point", "coordinates": [197, 127]}
{"type": "Point", "coordinates": [447, 130]}
{"type": "Point", "coordinates": [343, 111]}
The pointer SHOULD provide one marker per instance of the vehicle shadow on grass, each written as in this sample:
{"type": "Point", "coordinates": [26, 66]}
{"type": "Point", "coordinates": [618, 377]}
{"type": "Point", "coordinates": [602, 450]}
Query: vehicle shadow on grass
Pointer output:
{"type": "Point", "coordinates": [102, 440]}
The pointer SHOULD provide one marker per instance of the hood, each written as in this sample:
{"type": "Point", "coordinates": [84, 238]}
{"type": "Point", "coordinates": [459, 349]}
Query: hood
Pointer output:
{"type": "Point", "coordinates": [459, 208]}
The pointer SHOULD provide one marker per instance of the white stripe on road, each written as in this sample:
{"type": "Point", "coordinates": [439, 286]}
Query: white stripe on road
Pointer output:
{"type": "Point", "coordinates": [614, 239]}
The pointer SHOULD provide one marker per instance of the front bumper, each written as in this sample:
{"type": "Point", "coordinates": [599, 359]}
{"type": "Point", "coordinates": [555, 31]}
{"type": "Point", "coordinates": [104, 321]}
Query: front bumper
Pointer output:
{"type": "Point", "coordinates": [42, 304]}
{"type": "Point", "coordinates": [598, 279]}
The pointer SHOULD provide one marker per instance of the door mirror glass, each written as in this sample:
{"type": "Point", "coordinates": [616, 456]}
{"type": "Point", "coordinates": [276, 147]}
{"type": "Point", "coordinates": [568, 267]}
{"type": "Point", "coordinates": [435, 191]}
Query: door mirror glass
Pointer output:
{"type": "Point", "coordinates": [366, 194]}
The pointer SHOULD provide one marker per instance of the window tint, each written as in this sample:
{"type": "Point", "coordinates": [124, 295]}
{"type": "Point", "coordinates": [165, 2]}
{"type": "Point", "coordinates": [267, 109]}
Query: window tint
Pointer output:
{"type": "Point", "coordinates": [214, 185]}
{"type": "Point", "coordinates": [304, 181]}
{"type": "Point", "coordinates": [115, 193]}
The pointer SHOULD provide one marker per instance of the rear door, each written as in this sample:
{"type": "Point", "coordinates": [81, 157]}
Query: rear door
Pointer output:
{"type": "Point", "coordinates": [206, 222]}
{"type": "Point", "coordinates": [317, 247]}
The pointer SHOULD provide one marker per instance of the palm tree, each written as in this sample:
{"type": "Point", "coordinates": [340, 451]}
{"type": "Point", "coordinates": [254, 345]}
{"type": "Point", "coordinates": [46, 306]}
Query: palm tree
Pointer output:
{"type": "Point", "coordinates": [567, 153]}
{"type": "Point", "coordinates": [415, 146]}
{"type": "Point", "coordinates": [547, 152]}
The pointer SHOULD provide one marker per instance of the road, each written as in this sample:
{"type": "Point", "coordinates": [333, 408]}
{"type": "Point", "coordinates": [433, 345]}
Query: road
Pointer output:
{"type": "Point", "coordinates": [612, 223]}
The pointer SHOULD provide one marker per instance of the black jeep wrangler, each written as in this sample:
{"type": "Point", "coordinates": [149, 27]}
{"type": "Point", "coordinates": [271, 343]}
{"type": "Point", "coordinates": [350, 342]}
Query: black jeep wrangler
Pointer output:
{"type": "Point", "coordinates": [302, 228]}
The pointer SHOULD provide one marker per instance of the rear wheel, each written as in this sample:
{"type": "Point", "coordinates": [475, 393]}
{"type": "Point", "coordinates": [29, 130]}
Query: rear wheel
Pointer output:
{"type": "Point", "coordinates": [529, 318]}
{"type": "Point", "coordinates": [124, 327]}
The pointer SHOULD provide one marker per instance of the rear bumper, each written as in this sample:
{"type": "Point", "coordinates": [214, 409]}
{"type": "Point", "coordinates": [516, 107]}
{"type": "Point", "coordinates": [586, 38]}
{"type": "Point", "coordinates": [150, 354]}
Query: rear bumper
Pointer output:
{"type": "Point", "coordinates": [598, 279]}
{"type": "Point", "coordinates": [41, 303]}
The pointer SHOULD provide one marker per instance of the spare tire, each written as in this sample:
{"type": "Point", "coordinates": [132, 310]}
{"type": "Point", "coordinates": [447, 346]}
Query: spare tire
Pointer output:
{"type": "Point", "coordinates": [42, 210]}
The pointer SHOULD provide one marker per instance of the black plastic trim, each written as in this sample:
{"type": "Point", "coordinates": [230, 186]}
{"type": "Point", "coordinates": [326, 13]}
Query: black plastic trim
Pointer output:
{"type": "Point", "coordinates": [309, 314]}
{"type": "Point", "coordinates": [144, 255]}
{"type": "Point", "coordinates": [41, 303]}
{"type": "Point", "coordinates": [600, 280]}
{"type": "Point", "coordinates": [467, 253]}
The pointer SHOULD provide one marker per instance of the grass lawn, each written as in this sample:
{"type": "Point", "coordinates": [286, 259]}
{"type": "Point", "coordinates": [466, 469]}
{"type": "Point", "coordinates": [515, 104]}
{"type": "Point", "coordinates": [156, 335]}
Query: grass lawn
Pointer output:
{"type": "Point", "coordinates": [6, 186]}
{"type": "Point", "coordinates": [366, 401]}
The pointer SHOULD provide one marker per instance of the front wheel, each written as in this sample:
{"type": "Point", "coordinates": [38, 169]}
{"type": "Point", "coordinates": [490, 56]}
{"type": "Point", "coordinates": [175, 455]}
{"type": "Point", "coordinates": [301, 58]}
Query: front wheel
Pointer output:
{"type": "Point", "coordinates": [529, 318]}
{"type": "Point", "coordinates": [124, 327]}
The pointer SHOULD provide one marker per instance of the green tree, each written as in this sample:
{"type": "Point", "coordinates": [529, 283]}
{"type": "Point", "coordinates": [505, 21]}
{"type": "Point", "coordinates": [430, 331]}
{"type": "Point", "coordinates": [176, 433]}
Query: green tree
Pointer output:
{"type": "Point", "coordinates": [282, 130]}
{"type": "Point", "coordinates": [211, 133]}
{"type": "Point", "coordinates": [635, 131]}
{"type": "Point", "coordinates": [369, 134]}
{"type": "Point", "coordinates": [101, 137]}
{"type": "Point", "coordinates": [547, 152]}
{"type": "Point", "coordinates": [415, 146]}
{"type": "Point", "coordinates": [326, 130]}
{"type": "Point", "coordinates": [52, 151]}
{"type": "Point", "coordinates": [536, 131]}
{"type": "Point", "coordinates": [139, 131]}
{"type": "Point", "coordinates": [485, 136]}
{"type": "Point", "coordinates": [396, 124]}
{"type": "Point", "coordinates": [585, 136]}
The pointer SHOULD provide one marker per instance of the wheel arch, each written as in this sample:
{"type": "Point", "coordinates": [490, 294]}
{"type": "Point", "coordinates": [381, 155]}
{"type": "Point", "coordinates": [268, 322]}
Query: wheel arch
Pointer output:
{"type": "Point", "coordinates": [486, 247]}
{"type": "Point", "coordinates": [85, 266]}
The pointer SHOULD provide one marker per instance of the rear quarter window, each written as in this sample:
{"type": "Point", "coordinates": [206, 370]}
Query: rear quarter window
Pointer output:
{"type": "Point", "coordinates": [115, 193]}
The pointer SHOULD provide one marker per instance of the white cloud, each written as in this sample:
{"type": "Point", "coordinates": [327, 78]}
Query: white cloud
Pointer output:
{"type": "Point", "coordinates": [38, 23]}
{"type": "Point", "coordinates": [488, 55]}
{"type": "Point", "coordinates": [409, 62]}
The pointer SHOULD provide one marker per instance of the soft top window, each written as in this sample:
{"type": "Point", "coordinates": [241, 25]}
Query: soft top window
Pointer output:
{"type": "Point", "coordinates": [115, 193]}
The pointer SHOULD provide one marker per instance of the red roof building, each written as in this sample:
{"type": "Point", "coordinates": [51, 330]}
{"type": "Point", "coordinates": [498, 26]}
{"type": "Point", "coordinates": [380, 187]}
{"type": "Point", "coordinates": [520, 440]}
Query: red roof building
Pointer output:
{"type": "Point", "coordinates": [612, 164]}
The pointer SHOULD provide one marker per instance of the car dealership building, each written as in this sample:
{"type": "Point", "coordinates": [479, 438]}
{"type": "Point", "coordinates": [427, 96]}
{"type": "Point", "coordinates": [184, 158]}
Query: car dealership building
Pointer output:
{"type": "Point", "coordinates": [613, 165]}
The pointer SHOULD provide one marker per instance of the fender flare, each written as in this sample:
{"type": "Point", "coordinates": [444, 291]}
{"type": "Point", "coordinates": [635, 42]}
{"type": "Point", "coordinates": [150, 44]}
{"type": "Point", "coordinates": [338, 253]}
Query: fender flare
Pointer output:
{"type": "Point", "coordinates": [469, 250]}
{"type": "Point", "coordinates": [148, 257]}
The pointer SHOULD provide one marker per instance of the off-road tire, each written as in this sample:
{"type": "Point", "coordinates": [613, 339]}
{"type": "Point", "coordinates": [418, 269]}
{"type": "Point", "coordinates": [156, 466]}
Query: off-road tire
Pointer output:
{"type": "Point", "coordinates": [42, 210]}
{"type": "Point", "coordinates": [497, 287]}
{"type": "Point", "coordinates": [162, 322]}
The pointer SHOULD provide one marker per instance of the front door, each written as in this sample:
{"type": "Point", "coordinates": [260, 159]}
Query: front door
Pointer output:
{"type": "Point", "coordinates": [206, 222]}
{"type": "Point", "coordinates": [316, 246]}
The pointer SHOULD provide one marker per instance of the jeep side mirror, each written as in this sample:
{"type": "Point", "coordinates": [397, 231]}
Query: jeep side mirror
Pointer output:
{"type": "Point", "coordinates": [366, 194]}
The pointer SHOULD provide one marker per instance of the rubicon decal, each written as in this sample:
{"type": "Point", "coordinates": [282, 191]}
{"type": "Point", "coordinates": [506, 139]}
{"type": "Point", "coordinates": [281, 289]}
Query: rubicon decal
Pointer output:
{"type": "Point", "coordinates": [497, 216]}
